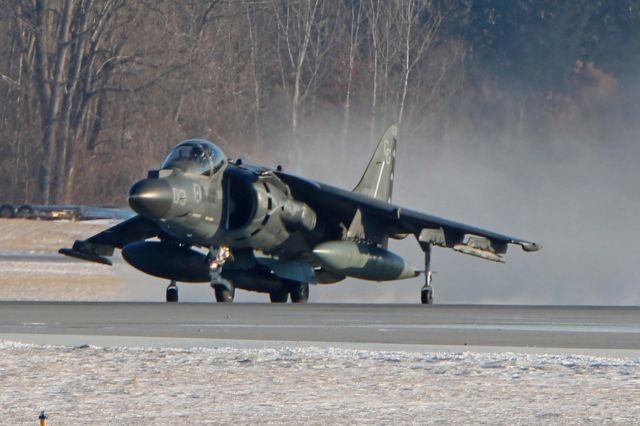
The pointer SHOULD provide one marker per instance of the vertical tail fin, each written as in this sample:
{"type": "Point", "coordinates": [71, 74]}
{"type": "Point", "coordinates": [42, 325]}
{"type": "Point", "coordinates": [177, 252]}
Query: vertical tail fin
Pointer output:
{"type": "Point", "coordinates": [377, 180]}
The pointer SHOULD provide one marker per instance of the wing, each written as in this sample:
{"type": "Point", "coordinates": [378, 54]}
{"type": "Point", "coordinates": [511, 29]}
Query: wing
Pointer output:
{"type": "Point", "coordinates": [376, 220]}
{"type": "Point", "coordinates": [103, 244]}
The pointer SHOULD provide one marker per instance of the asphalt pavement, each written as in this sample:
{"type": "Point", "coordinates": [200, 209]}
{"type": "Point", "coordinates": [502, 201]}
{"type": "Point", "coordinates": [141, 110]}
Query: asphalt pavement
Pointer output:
{"type": "Point", "coordinates": [599, 329]}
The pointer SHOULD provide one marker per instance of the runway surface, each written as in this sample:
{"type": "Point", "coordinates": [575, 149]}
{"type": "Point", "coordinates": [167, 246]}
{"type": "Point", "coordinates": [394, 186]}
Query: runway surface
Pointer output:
{"type": "Point", "coordinates": [599, 329]}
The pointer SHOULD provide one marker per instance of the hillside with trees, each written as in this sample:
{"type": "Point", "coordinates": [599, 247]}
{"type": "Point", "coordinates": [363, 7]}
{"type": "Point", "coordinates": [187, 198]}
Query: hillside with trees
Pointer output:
{"type": "Point", "coordinates": [95, 92]}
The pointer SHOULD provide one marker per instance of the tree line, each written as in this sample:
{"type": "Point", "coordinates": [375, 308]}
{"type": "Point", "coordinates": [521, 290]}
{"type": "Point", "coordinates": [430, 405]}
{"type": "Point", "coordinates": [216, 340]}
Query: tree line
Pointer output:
{"type": "Point", "coordinates": [95, 92]}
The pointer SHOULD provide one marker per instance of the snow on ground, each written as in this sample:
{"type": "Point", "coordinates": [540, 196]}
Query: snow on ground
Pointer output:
{"type": "Point", "coordinates": [93, 385]}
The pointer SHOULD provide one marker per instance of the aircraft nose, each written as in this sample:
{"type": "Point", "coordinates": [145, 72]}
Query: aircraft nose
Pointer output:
{"type": "Point", "coordinates": [151, 198]}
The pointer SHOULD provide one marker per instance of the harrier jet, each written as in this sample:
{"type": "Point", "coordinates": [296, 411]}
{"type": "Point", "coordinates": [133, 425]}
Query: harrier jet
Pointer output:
{"type": "Point", "coordinates": [203, 218]}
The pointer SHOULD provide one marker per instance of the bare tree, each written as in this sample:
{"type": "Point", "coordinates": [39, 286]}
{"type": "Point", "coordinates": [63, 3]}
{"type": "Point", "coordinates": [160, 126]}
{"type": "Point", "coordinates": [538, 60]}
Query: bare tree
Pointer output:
{"type": "Point", "coordinates": [417, 37]}
{"type": "Point", "coordinates": [73, 57]}
{"type": "Point", "coordinates": [295, 22]}
{"type": "Point", "coordinates": [354, 22]}
{"type": "Point", "coordinates": [383, 19]}
{"type": "Point", "coordinates": [254, 35]}
{"type": "Point", "coordinates": [95, 91]}
{"type": "Point", "coordinates": [373, 15]}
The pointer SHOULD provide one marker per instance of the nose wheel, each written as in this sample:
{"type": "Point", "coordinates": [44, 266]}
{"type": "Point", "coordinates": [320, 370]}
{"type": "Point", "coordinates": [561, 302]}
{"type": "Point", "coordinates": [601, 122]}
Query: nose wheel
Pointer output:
{"type": "Point", "coordinates": [172, 292]}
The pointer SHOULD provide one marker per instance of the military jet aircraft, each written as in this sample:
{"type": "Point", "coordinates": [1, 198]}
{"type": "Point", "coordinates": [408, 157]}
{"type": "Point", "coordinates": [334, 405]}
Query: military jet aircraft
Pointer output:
{"type": "Point", "coordinates": [203, 218]}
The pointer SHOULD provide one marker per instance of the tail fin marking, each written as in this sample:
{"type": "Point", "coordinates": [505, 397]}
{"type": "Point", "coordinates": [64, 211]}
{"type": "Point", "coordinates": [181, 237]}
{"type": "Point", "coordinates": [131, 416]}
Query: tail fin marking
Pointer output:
{"type": "Point", "coordinates": [377, 180]}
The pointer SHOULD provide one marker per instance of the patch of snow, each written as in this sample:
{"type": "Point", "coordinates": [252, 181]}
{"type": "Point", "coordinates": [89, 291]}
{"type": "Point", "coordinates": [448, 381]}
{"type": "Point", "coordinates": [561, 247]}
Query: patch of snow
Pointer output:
{"type": "Point", "coordinates": [89, 384]}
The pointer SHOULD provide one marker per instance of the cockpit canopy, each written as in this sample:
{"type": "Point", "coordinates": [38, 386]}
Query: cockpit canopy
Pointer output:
{"type": "Point", "coordinates": [197, 156]}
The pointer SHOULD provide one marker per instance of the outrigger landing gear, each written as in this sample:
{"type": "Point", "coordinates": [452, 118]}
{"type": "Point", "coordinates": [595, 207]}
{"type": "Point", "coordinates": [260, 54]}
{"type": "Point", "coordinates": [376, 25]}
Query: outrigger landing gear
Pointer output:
{"type": "Point", "coordinates": [426, 294]}
{"type": "Point", "coordinates": [172, 292]}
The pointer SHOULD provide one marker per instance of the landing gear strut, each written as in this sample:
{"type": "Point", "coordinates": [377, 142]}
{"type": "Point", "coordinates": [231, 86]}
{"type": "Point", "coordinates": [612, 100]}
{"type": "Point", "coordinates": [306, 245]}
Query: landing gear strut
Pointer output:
{"type": "Point", "coordinates": [426, 294]}
{"type": "Point", "coordinates": [223, 288]}
{"type": "Point", "coordinates": [172, 292]}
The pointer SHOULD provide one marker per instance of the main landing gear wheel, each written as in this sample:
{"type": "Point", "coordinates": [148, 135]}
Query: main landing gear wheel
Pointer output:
{"type": "Point", "coordinates": [172, 292]}
{"type": "Point", "coordinates": [279, 296]}
{"type": "Point", "coordinates": [224, 294]}
{"type": "Point", "coordinates": [299, 292]}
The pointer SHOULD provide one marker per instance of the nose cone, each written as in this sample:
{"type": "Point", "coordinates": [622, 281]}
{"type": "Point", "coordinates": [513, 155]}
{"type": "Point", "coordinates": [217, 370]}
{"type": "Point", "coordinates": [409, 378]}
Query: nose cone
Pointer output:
{"type": "Point", "coordinates": [151, 198]}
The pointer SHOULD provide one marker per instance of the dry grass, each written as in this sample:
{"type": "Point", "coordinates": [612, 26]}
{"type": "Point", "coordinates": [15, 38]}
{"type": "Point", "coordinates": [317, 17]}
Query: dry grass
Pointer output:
{"type": "Point", "coordinates": [52, 280]}
{"type": "Point", "coordinates": [60, 289]}
{"type": "Point", "coordinates": [43, 236]}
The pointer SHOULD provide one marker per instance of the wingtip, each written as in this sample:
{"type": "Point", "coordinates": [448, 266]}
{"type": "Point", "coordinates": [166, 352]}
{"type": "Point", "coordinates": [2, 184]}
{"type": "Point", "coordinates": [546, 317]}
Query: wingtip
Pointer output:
{"type": "Point", "coordinates": [531, 247]}
{"type": "Point", "coordinates": [91, 257]}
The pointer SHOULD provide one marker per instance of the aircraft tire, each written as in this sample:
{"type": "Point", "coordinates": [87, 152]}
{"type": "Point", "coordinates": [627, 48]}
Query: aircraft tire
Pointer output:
{"type": "Point", "coordinates": [299, 292]}
{"type": "Point", "coordinates": [223, 294]}
{"type": "Point", "coordinates": [426, 295]}
{"type": "Point", "coordinates": [172, 293]}
{"type": "Point", "coordinates": [279, 296]}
